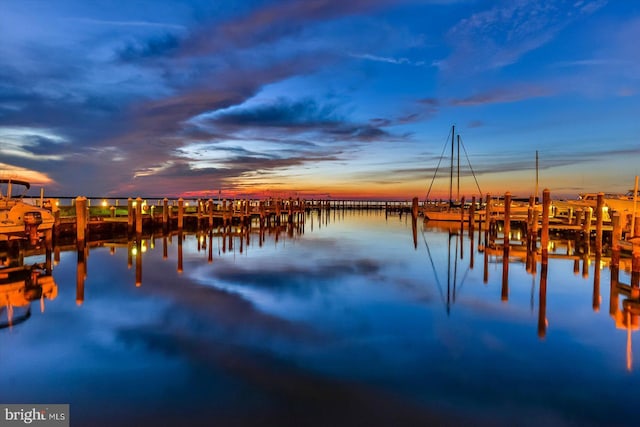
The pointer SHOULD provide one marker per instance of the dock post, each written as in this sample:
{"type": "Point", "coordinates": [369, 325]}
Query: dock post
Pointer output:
{"type": "Point", "coordinates": [130, 217]}
{"type": "Point", "coordinates": [278, 210]}
{"type": "Point", "coordinates": [586, 225]}
{"type": "Point", "coordinates": [544, 238]}
{"type": "Point", "coordinates": [138, 216]}
{"type": "Point", "coordinates": [56, 226]}
{"type": "Point", "coordinates": [81, 221]}
{"type": "Point", "coordinates": [165, 213]}
{"type": "Point", "coordinates": [472, 216]}
{"type": "Point", "coordinates": [180, 213]}
{"type": "Point", "coordinates": [210, 212]}
{"type": "Point", "coordinates": [599, 220]}
{"type": "Point", "coordinates": [290, 211]}
{"type": "Point", "coordinates": [414, 208]}
{"type": "Point", "coordinates": [615, 239]}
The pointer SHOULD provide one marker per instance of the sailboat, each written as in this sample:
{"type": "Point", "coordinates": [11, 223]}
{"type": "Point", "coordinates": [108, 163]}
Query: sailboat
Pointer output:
{"type": "Point", "coordinates": [453, 210]}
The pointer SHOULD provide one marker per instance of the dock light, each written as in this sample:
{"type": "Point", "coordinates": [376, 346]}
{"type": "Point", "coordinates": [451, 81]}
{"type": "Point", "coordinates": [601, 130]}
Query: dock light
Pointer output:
{"type": "Point", "coordinates": [186, 204]}
{"type": "Point", "coordinates": [104, 203]}
{"type": "Point", "coordinates": [143, 246]}
{"type": "Point", "coordinates": [133, 203]}
{"type": "Point", "coordinates": [134, 251]}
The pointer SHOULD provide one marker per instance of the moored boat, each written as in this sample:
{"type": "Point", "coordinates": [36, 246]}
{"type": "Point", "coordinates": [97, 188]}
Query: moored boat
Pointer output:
{"type": "Point", "coordinates": [19, 219]}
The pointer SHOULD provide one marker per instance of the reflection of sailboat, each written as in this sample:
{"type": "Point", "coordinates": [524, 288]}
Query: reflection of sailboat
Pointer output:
{"type": "Point", "coordinates": [18, 287]}
{"type": "Point", "coordinates": [453, 286]}
{"type": "Point", "coordinates": [454, 209]}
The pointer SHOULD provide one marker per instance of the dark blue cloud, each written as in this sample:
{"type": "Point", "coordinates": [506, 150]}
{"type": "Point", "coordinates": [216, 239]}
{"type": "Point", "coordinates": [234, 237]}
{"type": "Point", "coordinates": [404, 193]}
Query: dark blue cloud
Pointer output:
{"type": "Point", "coordinates": [282, 113]}
{"type": "Point", "coordinates": [155, 47]}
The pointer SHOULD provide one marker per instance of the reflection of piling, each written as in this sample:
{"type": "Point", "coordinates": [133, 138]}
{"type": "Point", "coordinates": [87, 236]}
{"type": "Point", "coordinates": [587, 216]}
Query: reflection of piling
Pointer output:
{"type": "Point", "coordinates": [210, 257]}
{"type": "Point", "coordinates": [81, 272]}
{"type": "Point", "coordinates": [138, 261]}
{"type": "Point", "coordinates": [180, 252]}
{"type": "Point", "coordinates": [505, 247]}
{"type": "Point", "coordinates": [81, 221]}
{"type": "Point", "coordinates": [542, 302]}
{"type": "Point", "coordinates": [165, 249]}
{"type": "Point", "coordinates": [596, 282]}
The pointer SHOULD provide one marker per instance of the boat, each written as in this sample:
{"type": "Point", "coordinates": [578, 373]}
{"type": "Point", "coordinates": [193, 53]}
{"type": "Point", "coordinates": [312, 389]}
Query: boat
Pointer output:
{"type": "Point", "coordinates": [451, 210]}
{"type": "Point", "coordinates": [19, 219]}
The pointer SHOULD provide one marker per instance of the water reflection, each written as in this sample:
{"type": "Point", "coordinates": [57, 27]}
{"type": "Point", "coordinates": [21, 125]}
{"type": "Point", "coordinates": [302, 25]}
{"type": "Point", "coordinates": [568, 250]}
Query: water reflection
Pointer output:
{"type": "Point", "coordinates": [347, 317]}
{"type": "Point", "coordinates": [21, 284]}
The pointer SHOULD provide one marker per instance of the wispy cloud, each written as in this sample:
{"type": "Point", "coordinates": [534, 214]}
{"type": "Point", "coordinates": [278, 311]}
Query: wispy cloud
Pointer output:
{"type": "Point", "coordinates": [504, 95]}
{"type": "Point", "coordinates": [151, 24]}
{"type": "Point", "coordinates": [500, 36]}
{"type": "Point", "coordinates": [386, 59]}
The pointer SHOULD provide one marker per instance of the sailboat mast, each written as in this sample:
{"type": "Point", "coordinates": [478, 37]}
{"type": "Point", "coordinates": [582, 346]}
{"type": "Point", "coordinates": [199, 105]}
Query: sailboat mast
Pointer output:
{"type": "Point", "coordinates": [458, 193]}
{"type": "Point", "coordinates": [536, 198]}
{"type": "Point", "coordinates": [453, 133]}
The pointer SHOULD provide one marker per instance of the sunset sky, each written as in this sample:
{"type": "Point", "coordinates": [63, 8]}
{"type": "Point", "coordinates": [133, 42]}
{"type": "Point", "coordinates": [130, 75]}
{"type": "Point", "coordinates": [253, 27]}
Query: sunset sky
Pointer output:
{"type": "Point", "coordinates": [348, 98]}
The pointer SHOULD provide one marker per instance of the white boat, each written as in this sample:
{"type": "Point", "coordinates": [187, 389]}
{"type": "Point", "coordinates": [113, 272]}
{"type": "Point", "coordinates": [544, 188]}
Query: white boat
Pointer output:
{"type": "Point", "coordinates": [19, 219]}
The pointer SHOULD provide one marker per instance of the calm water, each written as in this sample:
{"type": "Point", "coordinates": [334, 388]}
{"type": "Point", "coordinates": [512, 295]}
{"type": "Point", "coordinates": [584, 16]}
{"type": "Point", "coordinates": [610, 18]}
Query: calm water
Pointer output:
{"type": "Point", "coordinates": [348, 322]}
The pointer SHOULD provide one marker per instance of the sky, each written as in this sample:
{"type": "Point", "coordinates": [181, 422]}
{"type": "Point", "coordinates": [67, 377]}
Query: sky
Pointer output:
{"type": "Point", "coordinates": [319, 98]}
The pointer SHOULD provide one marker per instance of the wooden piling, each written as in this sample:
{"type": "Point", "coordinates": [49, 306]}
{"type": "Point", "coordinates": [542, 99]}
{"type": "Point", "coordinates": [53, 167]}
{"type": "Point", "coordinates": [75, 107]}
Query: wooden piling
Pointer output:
{"type": "Point", "coordinates": [414, 208]}
{"type": "Point", "coordinates": [130, 215]}
{"type": "Point", "coordinates": [472, 216]}
{"type": "Point", "coordinates": [586, 225]}
{"type": "Point", "coordinates": [165, 213]}
{"type": "Point", "coordinates": [507, 223]}
{"type": "Point", "coordinates": [635, 268]}
{"type": "Point", "coordinates": [615, 239]}
{"type": "Point", "coordinates": [544, 238]}
{"type": "Point", "coordinates": [180, 213]}
{"type": "Point", "coordinates": [81, 221]}
{"type": "Point", "coordinates": [210, 212]}
{"type": "Point", "coordinates": [138, 216]}
{"type": "Point", "coordinates": [599, 221]}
